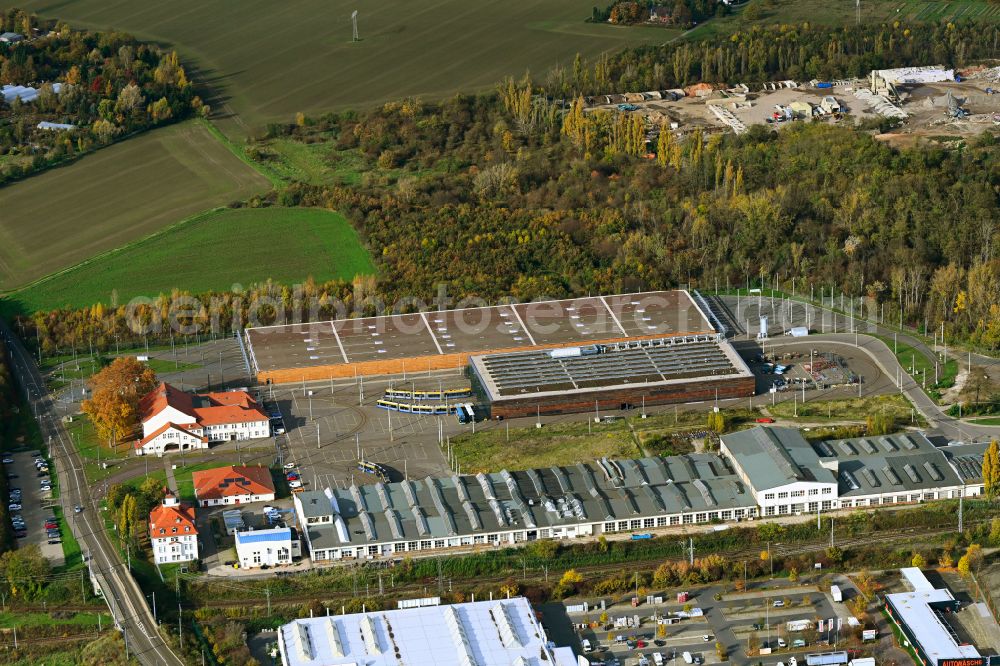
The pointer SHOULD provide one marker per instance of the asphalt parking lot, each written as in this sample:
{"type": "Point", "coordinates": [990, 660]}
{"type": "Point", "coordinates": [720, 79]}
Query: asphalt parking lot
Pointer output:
{"type": "Point", "coordinates": [729, 621]}
{"type": "Point", "coordinates": [36, 506]}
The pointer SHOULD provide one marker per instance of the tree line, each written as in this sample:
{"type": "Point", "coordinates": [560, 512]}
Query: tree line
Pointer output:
{"type": "Point", "coordinates": [108, 85]}
{"type": "Point", "coordinates": [516, 194]}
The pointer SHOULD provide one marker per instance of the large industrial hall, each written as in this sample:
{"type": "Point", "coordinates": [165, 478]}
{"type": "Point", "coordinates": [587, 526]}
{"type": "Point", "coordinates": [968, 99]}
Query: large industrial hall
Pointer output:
{"type": "Point", "coordinates": [444, 339]}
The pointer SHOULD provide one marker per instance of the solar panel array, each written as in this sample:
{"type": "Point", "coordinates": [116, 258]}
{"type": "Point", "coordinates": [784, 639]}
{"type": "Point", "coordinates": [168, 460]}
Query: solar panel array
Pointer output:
{"type": "Point", "coordinates": [653, 361]}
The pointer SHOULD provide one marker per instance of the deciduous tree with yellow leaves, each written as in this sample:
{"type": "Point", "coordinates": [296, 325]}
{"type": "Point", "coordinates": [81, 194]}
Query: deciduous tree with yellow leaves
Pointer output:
{"type": "Point", "coordinates": [115, 393]}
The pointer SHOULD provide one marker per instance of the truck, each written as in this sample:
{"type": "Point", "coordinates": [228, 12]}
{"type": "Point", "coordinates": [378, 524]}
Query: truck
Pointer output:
{"type": "Point", "coordinates": [798, 625]}
{"type": "Point", "coordinates": [658, 659]}
{"type": "Point", "coordinates": [585, 644]}
{"type": "Point", "coordinates": [836, 593]}
{"type": "Point", "coordinates": [687, 658]}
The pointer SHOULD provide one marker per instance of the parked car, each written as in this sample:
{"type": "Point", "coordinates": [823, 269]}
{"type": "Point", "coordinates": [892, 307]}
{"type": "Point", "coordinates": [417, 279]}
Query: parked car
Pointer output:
{"type": "Point", "coordinates": [13, 506]}
{"type": "Point", "coordinates": [77, 509]}
{"type": "Point", "coordinates": [53, 542]}
{"type": "Point", "coordinates": [51, 526]}
{"type": "Point", "coordinates": [7, 460]}
{"type": "Point", "coordinates": [295, 484]}
{"type": "Point", "coordinates": [778, 603]}
{"type": "Point", "coordinates": [707, 638]}
{"type": "Point", "coordinates": [289, 465]}
{"type": "Point", "coordinates": [292, 477]}
{"type": "Point", "coordinates": [782, 643]}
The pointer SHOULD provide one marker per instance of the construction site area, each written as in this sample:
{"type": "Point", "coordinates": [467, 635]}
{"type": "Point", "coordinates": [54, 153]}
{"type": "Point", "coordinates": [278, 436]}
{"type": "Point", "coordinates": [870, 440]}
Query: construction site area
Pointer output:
{"type": "Point", "coordinates": [924, 101]}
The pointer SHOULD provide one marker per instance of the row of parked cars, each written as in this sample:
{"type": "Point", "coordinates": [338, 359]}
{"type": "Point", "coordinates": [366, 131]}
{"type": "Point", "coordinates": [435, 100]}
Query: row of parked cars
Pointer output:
{"type": "Point", "coordinates": [15, 498]}
{"type": "Point", "coordinates": [293, 477]}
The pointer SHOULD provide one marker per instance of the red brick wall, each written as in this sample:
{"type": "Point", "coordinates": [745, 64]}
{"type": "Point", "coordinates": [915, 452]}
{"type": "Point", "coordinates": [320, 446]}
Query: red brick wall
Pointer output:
{"type": "Point", "coordinates": [570, 403]}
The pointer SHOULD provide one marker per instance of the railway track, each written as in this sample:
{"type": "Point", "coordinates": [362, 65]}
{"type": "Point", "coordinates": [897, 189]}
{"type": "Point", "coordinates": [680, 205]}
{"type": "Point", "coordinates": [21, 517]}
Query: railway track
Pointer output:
{"type": "Point", "coordinates": [644, 564]}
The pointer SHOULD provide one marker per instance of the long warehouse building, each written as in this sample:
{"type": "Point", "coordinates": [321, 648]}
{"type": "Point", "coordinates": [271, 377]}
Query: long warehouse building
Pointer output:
{"type": "Point", "coordinates": [617, 376]}
{"type": "Point", "coordinates": [445, 339]}
{"type": "Point", "coordinates": [760, 473]}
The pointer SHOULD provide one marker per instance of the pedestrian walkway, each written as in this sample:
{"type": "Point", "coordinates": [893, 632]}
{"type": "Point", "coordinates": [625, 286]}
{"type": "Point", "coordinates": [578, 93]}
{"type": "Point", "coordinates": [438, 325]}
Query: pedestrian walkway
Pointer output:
{"type": "Point", "coordinates": [171, 480]}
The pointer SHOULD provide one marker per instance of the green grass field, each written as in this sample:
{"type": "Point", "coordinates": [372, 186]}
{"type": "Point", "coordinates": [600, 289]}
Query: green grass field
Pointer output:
{"type": "Point", "coordinates": [286, 244]}
{"type": "Point", "coordinates": [117, 195]}
{"type": "Point", "coordinates": [268, 60]}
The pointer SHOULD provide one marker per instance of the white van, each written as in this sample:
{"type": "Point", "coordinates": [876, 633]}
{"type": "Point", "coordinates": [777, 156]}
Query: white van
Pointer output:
{"type": "Point", "coordinates": [657, 659]}
{"type": "Point", "coordinates": [687, 658]}
{"type": "Point", "coordinates": [585, 644]}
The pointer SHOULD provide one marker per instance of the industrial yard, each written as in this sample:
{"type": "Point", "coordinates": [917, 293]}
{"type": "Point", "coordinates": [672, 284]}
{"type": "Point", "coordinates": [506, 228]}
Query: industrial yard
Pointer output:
{"type": "Point", "coordinates": [934, 102]}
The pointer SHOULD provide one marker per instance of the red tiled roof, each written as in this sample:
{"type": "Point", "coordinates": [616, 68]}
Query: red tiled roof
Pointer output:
{"type": "Point", "coordinates": [232, 481]}
{"type": "Point", "coordinates": [164, 396]}
{"type": "Point", "coordinates": [221, 408]}
{"type": "Point", "coordinates": [163, 520]}
{"type": "Point", "coordinates": [241, 398]}
{"type": "Point", "coordinates": [163, 428]}
{"type": "Point", "coordinates": [224, 414]}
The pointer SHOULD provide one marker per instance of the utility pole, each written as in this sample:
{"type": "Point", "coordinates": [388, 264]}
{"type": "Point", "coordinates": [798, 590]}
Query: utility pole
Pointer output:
{"type": "Point", "coordinates": [961, 497]}
{"type": "Point", "coordinates": [691, 550]}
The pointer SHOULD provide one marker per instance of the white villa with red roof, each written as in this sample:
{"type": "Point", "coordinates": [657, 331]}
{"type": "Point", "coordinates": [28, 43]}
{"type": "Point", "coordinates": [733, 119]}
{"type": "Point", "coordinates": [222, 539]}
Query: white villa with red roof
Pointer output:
{"type": "Point", "coordinates": [173, 420]}
{"type": "Point", "coordinates": [172, 531]}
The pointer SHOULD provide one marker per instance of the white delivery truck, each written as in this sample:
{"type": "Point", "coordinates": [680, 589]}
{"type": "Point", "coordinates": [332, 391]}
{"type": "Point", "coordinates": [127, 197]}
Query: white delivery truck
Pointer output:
{"type": "Point", "coordinates": [687, 658]}
{"type": "Point", "coordinates": [836, 593]}
{"type": "Point", "coordinates": [658, 659]}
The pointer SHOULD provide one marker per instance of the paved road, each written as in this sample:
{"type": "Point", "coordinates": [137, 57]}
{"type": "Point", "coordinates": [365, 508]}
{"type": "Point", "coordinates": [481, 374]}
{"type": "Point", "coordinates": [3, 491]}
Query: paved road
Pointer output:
{"type": "Point", "coordinates": [126, 601]}
{"type": "Point", "coordinates": [785, 314]}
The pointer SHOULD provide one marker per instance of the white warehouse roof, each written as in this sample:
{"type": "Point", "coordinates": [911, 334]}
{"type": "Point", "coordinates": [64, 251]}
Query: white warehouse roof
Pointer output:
{"type": "Point", "coordinates": [482, 633]}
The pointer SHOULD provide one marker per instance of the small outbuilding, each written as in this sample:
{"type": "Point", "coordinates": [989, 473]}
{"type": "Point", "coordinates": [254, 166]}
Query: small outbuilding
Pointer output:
{"type": "Point", "coordinates": [801, 110]}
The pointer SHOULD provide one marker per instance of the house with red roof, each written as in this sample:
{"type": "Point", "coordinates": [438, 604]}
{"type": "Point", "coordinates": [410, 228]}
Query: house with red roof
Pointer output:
{"type": "Point", "coordinates": [174, 420]}
{"type": "Point", "coordinates": [233, 484]}
{"type": "Point", "coordinates": [172, 531]}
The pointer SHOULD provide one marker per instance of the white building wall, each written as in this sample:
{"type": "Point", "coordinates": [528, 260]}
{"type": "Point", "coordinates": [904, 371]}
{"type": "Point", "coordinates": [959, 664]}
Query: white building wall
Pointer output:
{"type": "Point", "coordinates": [183, 440]}
{"type": "Point", "coordinates": [236, 499]}
{"type": "Point", "coordinates": [175, 548]}
{"type": "Point", "coordinates": [795, 498]}
{"type": "Point", "coordinates": [167, 415]}
{"type": "Point", "coordinates": [238, 431]}
{"type": "Point", "coordinates": [271, 553]}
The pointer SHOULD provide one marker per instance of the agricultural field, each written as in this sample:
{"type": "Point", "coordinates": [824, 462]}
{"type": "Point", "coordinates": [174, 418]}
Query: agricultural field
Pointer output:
{"type": "Point", "coordinates": [285, 244]}
{"type": "Point", "coordinates": [875, 11]}
{"type": "Point", "coordinates": [64, 216]}
{"type": "Point", "coordinates": [268, 60]}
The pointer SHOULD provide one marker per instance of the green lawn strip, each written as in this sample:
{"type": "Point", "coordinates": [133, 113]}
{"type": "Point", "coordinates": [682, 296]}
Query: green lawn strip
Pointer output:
{"type": "Point", "coordinates": [27, 620]}
{"type": "Point", "coordinates": [916, 363]}
{"type": "Point", "coordinates": [283, 244]}
{"type": "Point", "coordinates": [847, 409]}
{"type": "Point", "coordinates": [71, 548]}
{"type": "Point", "coordinates": [987, 421]}
{"type": "Point", "coordinates": [275, 179]}
{"type": "Point", "coordinates": [569, 442]}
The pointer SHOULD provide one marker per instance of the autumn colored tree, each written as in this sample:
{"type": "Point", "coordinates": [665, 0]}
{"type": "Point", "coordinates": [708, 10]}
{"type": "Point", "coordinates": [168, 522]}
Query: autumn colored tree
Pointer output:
{"type": "Point", "coordinates": [918, 561]}
{"type": "Point", "coordinates": [991, 470]}
{"type": "Point", "coordinates": [115, 394]}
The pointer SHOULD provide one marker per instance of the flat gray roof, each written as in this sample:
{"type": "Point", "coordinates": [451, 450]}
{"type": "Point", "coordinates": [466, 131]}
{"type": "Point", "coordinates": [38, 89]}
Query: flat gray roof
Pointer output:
{"type": "Point", "coordinates": [577, 321]}
{"type": "Point", "coordinates": [651, 363]}
{"type": "Point", "coordinates": [774, 457]}
{"type": "Point", "coordinates": [541, 498]}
